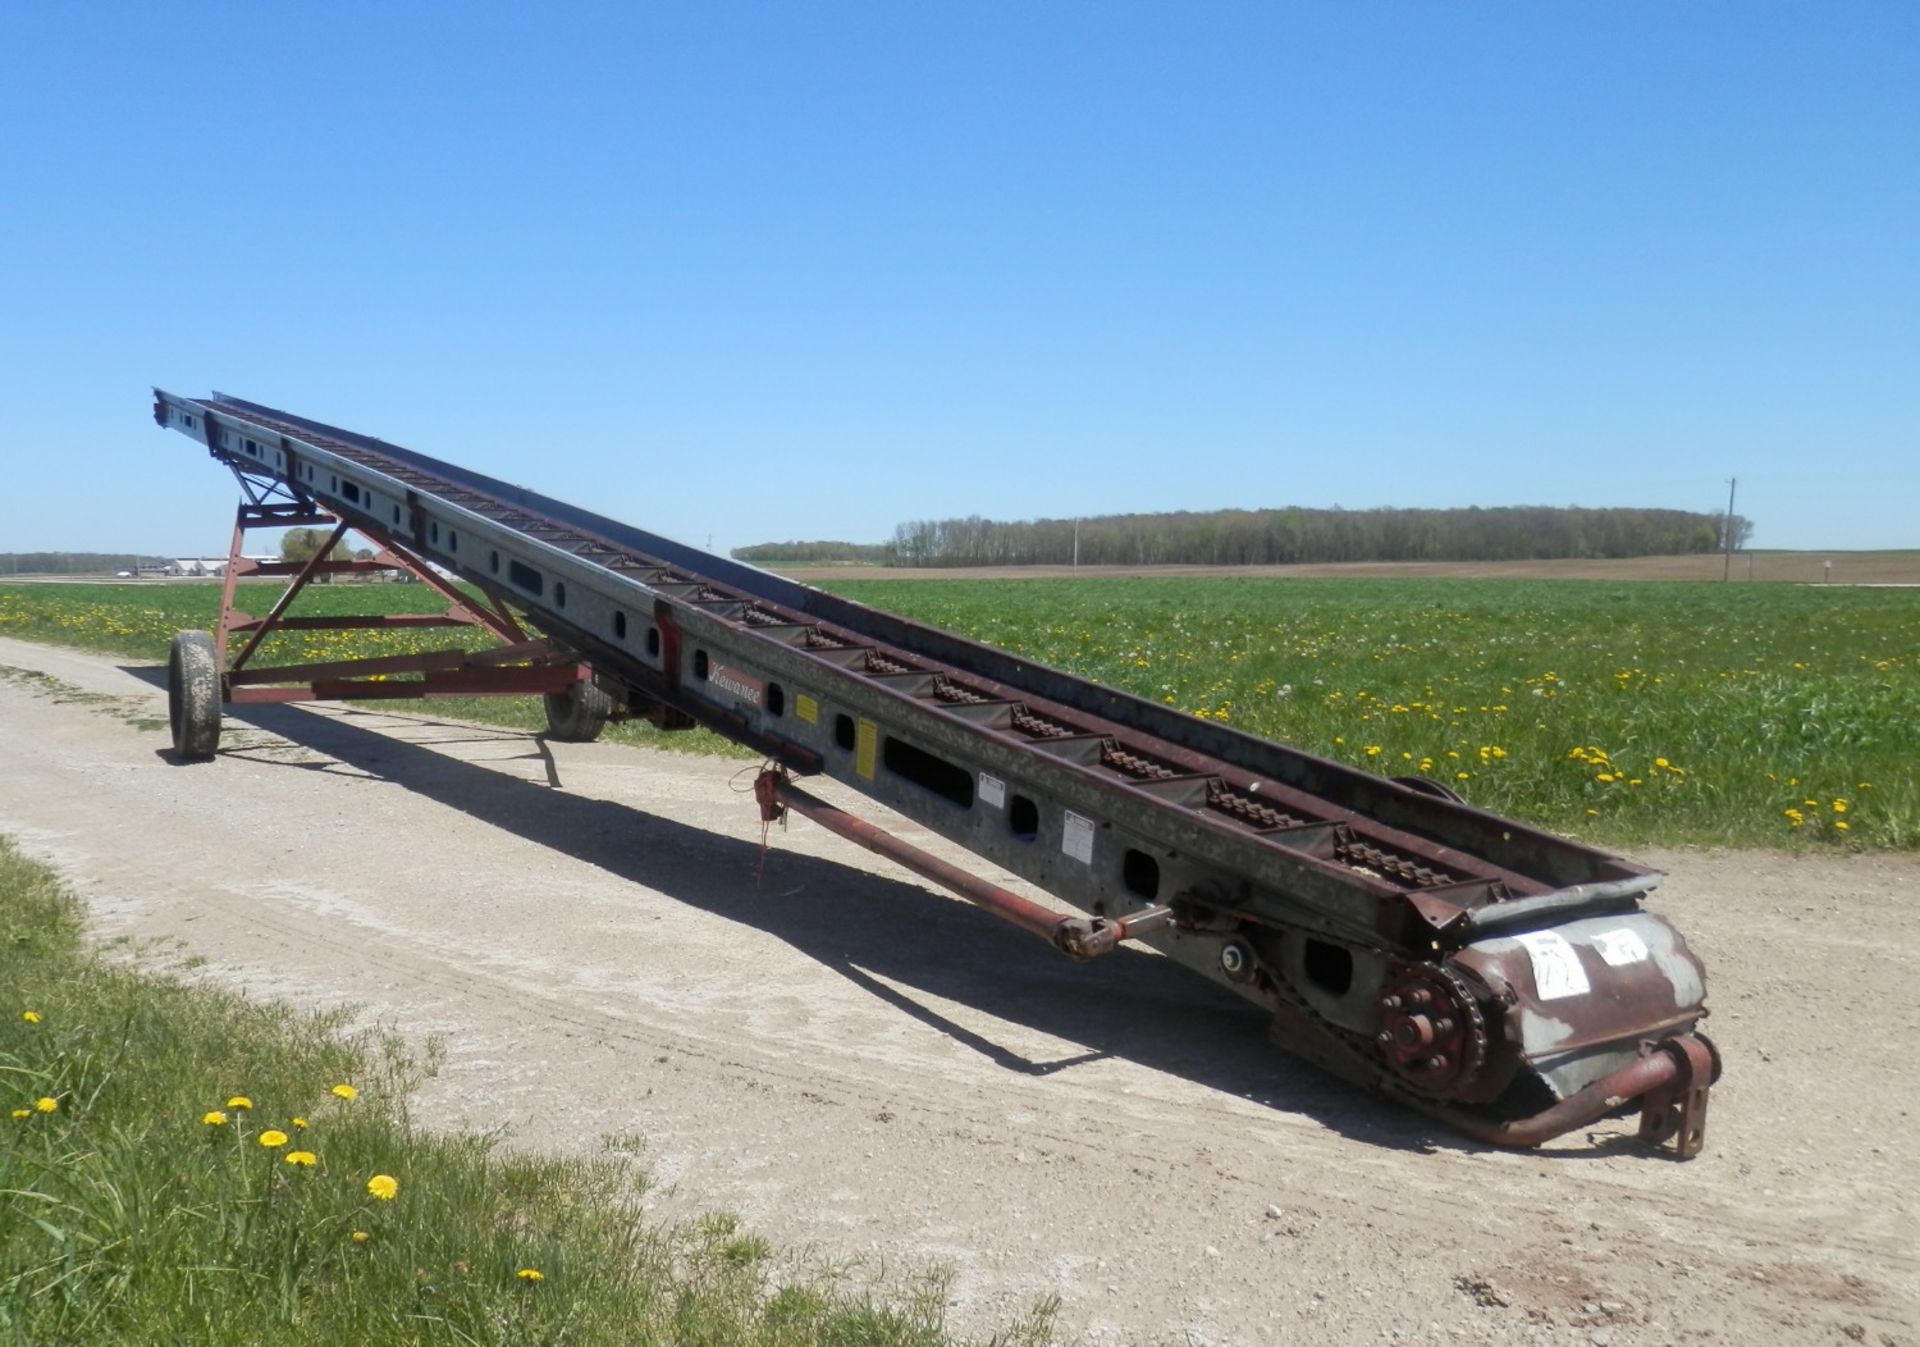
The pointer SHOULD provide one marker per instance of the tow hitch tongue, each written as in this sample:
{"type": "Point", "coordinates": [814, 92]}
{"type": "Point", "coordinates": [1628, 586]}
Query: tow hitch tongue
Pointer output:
{"type": "Point", "coordinates": [1489, 973]}
{"type": "Point", "coordinates": [1670, 1080]}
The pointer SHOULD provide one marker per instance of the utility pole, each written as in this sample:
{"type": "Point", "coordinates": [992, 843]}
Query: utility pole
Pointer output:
{"type": "Point", "coordinates": [1726, 571]}
{"type": "Point", "coordinates": [1076, 544]}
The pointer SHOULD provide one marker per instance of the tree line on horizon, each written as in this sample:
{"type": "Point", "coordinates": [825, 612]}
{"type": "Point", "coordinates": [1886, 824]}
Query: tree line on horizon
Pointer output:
{"type": "Point", "coordinates": [1293, 534]}
{"type": "Point", "coordinates": [74, 563]}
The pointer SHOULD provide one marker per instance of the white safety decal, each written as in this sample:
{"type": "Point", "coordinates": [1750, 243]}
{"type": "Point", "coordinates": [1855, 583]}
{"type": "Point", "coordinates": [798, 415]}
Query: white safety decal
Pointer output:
{"type": "Point", "coordinates": [1556, 965]}
{"type": "Point", "coordinates": [1620, 948]}
{"type": "Point", "coordinates": [993, 791]}
{"type": "Point", "coordinates": [1076, 839]}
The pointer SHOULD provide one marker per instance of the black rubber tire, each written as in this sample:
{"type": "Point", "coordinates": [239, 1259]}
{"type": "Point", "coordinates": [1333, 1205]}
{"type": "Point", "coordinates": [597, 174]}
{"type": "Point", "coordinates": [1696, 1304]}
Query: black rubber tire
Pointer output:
{"type": "Point", "coordinates": [577, 715]}
{"type": "Point", "coordinates": [193, 696]}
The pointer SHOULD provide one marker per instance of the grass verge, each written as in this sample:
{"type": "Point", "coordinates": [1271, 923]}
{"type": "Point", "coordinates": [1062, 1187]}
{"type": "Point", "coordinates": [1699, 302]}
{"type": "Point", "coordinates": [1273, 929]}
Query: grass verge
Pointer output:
{"type": "Point", "coordinates": [181, 1165]}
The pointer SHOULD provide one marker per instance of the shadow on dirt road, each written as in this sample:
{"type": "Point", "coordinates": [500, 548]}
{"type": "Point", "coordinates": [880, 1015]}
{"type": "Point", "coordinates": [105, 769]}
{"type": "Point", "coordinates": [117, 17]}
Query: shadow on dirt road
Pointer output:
{"type": "Point", "coordinates": [879, 933]}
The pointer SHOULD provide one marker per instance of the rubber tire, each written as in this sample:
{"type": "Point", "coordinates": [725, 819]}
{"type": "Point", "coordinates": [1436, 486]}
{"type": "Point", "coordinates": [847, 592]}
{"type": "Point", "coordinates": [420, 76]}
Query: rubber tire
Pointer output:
{"type": "Point", "coordinates": [193, 696]}
{"type": "Point", "coordinates": [577, 715]}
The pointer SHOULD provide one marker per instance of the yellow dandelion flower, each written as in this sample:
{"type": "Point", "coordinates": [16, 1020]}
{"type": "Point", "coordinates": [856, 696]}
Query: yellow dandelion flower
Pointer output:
{"type": "Point", "coordinates": [1840, 825]}
{"type": "Point", "coordinates": [214, 1118]}
{"type": "Point", "coordinates": [1593, 812]}
{"type": "Point", "coordinates": [1604, 776]}
{"type": "Point", "coordinates": [306, 1158]}
{"type": "Point", "coordinates": [1661, 762]}
{"type": "Point", "coordinates": [240, 1101]}
{"type": "Point", "coordinates": [30, 1016]}
{"type": "Point", "coordinates": [1462, 776]}
{"type": "Point", "coordinates": [23, 1113]}
{"type": "Point", "coordinates": [1839, 806]}
{"type": "Point", "coordinates": [46, 1103]}
{"type": "Point", "coordinates": [530, 1274]}
{"type": "Point", "coordinates": [383, 1186]}
{"type": "Point", "coordinates": [359, 1237]}
{"type": "Point", "coordinates": [300, 1123]}
{"type": "Point", "coordinates": [1373, 750]}
{"type": "Point", "coordinates": [273, 1137]}
{"type": "Point", "coordinates": [345, 1092]}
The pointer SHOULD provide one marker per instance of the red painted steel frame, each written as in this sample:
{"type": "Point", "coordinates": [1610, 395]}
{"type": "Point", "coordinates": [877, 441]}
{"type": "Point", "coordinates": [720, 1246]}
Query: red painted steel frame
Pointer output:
{"type": "Point", "coordinates": [1078, 937]}
{"type": "Point", "coordinates": [519, 668]}
{"type": "Point", "coordinates": [1671, 1081]}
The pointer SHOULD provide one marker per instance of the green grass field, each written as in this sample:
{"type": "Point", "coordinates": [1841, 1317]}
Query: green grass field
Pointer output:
{"type": "Point", "coordinates": [1629, 714]}
{"type": "Point", "coordinates": [179, 1165]}
{"type": "Point", "coordinates": [1626, 713]}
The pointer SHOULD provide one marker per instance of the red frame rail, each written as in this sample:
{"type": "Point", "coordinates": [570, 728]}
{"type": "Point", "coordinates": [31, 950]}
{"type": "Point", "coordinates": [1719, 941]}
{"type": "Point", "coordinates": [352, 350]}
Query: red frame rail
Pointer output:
{"type": "Point", "coordinates": [520, 666]}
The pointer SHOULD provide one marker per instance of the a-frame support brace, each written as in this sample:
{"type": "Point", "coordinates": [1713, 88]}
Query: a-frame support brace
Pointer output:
{"type": "Point", "coordinates": [520, 666]}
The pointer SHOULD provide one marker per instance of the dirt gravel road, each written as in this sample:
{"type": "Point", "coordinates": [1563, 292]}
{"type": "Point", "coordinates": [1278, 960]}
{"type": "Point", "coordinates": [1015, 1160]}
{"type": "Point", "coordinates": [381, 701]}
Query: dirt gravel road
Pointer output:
{"type": "Point", "coordinates": [869, 1070]}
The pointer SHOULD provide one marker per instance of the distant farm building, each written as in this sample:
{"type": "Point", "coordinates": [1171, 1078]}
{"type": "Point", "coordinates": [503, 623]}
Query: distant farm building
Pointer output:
{"type": "Point", "coordinates": [204, 567]}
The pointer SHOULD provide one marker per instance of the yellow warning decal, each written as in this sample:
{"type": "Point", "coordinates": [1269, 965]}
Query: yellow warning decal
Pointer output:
{"type": "Point", "coordinates": [807, 709]}
{"type": "Point", "coordinates": [865, 748]}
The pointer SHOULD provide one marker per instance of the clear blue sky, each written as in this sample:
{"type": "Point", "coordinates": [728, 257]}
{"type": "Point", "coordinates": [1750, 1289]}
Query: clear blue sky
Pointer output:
{"type": "Point", "coordinates": [770, 271]}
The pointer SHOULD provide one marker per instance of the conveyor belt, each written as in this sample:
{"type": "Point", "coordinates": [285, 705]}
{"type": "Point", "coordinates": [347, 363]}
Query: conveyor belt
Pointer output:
{"type": "Point", "coordinates": [1184, 777]}
{"type": "Point", "coordinates": [1369, 915]}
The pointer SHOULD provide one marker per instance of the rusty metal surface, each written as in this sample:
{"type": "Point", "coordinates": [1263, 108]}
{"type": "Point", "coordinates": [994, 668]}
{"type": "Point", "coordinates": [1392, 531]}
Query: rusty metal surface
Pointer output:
{"type": "Point", "coordinates": [1432, 1028]}
{"type": "Point", "coordinates": [1425, 831]}
{"type": "Point", "coordinates": [472, 682]}
{"type": "Point", "coordinates": [1484, 970]}
{"type": "Point", "coordinates": [1681, 1068]}
{"type": "Point", "coordinates": [1676, 1110]}
{"type": "Point", "coordinates": [375, 621]}
{"type": "Point", "coordinates": [1585, 987]}
{"type": "Point", "coordinates": [1078, 937]}
{"type": "Point", "coordinates": [443, 673]}
{"type": "Point", "coordinates": [1309, 832]}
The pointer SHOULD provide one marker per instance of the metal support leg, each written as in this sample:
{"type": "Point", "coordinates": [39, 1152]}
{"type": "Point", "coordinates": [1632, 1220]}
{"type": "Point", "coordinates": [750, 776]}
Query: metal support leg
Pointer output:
{"type": "Point", "coordinates": [1076, 937]}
